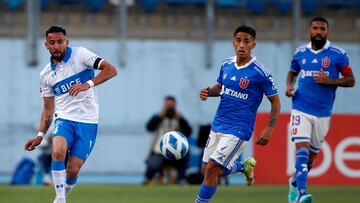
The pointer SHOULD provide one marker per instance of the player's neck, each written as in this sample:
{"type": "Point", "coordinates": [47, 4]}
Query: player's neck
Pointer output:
{"type": "Point", "coordinates": [316, 47]}
{"type": "Point", "coordinates": [240, 61]}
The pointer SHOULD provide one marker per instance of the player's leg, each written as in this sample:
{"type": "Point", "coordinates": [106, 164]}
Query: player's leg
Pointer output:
{"type": "Point", "coordinates": [301, 129]}
{"type": "Point", "coordinates": [58, 167]}
{"type": "Point", "coordinates": [207, 191]}
{"type": "Point", "coordinates": [79, 152]}
{"type": "Point", "coordinates": [62, 139]}
{"type": "Point", "coordinates": [320, 128]}
{"type": "Point", "coordinates": [233, 165]}
{"type": "Point", "coordinates": [72, 170]}
{"type": "Point", "coordinates": [220, 162]}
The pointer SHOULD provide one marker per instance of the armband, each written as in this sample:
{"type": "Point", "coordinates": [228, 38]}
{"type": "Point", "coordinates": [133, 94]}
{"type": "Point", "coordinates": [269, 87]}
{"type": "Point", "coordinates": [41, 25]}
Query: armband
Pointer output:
{"type": "Point", "coordinates": [40, 134]}
{"type": "Point", "coordinates": [91, 83]}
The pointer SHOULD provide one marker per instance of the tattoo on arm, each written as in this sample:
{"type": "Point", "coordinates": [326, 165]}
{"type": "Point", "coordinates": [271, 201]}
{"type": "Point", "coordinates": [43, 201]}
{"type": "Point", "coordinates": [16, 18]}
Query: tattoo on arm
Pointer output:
{"type": "Point", "coordinates": [48, 121]}
{"type": "Point", "coordinates": [275, 110]}
{"type": "Point", "coordinates": [272, 122]}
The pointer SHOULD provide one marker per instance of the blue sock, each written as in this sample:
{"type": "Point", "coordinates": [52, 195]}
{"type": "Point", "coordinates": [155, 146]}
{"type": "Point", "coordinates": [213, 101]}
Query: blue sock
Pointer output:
{"type": "Point", "coordinates": [237, 167]}
{"type": "Point", "coordinates": [205, 193]}
{"type": "Point", "coordinates": [71, 181]}
{"type": "Point", "coordinates": [302, 158]}
{"type": "Point", "coordinates": [293, 179]}
{"type": "Point", "coordinates": [57, 165]}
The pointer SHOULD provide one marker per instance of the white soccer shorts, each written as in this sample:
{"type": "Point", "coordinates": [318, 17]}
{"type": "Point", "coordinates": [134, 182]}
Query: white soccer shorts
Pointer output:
{"type": "Point", "coordinates": [224, 149]}
{"type": "Point", "coordinates": [308, 128]}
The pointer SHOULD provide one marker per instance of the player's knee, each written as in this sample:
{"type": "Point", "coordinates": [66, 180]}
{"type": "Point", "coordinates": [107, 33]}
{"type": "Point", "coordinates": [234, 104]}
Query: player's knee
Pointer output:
{"type": "Point", "coordinates": [72, 171]}
{"type": "Point", "coordinates": [58, 154]}
{"type": "Point", "coordinates": [212, 170]}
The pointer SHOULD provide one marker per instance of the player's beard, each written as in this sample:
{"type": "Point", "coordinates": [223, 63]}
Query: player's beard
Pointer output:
{"type": "Point", "coordinates": [58, 58]}
{"type": "Point", "coordinates": [318, 43]}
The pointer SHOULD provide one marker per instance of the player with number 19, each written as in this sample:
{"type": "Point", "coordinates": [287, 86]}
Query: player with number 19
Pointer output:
{"type": "Point", "coordinates": [317, 65]}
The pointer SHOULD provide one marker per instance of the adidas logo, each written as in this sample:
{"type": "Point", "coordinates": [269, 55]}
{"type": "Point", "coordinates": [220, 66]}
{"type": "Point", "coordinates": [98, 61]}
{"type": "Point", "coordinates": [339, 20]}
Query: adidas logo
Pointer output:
{"type": "Point", "coordinates": [233, 78]}
{"type": "Point", "coordinates": [314, 60]}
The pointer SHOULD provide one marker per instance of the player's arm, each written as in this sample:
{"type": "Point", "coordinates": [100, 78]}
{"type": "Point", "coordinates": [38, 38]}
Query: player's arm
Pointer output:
{"type": "Point", "coordinates": [107, 71]}
{"type": "Point", "coordinates": [290, 82]}
{"type": "Point", "coordinates": [348, 79]}
{"type": "Point", "coordinates": [266, 134]}
{"type": "Point", "coordinates": [206, 92]}
{"type": "Point", "coordinates": [46, 119]}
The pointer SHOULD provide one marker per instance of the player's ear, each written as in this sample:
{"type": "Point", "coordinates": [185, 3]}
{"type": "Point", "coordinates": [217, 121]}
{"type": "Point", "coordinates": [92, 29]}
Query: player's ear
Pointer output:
{"type": "Point", "coordinates": [254, 44]}
{"type": "Point", "coordinates": [46, 45]}
{"type": "Point", "coordinates": [67, 41]}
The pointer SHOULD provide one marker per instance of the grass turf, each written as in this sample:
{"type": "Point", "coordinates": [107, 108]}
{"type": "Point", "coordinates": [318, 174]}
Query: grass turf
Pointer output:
{"type": "Point", "coordinates": [173, 194]}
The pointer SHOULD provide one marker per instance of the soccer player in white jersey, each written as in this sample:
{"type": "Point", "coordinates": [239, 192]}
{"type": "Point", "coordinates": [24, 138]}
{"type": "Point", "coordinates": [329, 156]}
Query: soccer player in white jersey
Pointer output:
{"type": "Point", "coordinates": [318, 65]}
{"type": "Point", "coordinates": [241, 84]}
{"type": "Point", "coordinates": [67, 85]}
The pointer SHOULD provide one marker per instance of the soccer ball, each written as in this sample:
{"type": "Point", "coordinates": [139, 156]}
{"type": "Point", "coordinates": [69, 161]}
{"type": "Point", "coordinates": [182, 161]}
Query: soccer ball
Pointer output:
{"type": "Point", "coordinates": [174, 145]}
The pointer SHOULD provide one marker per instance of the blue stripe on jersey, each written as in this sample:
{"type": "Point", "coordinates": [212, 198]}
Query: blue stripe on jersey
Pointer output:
{"type": "Point", "coordinates": [63, 86]}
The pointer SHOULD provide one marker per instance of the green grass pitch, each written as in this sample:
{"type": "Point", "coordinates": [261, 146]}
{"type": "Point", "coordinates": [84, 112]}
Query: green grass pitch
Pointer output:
{"type": "Point", "coordinates": [173, 194]}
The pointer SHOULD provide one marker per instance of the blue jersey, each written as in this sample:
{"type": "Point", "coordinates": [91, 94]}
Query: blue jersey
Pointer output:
{"type": "Point", "coordinates": [242, 92]}
{"type": "Point", "coordinates": [310, 97]}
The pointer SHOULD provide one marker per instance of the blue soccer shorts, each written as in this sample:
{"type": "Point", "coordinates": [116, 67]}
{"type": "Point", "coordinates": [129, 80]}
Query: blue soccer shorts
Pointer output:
{"type": "Point", "coordinates": [80, 137]}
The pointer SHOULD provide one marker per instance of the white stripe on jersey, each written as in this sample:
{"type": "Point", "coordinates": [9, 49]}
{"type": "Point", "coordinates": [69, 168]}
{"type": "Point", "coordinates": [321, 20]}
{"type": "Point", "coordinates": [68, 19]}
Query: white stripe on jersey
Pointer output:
{"type": "Point", "coordinates": [262, 67]}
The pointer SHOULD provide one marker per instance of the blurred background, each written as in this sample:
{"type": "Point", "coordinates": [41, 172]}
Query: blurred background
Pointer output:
{"type": "Point", "coordinates": [168, 47]}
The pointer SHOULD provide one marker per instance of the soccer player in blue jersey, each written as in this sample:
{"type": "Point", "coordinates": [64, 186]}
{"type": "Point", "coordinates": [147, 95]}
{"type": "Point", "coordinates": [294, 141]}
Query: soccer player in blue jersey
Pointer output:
{"type": "Point", "coordinates": [241, 84]}
{"type": "Point", "coordinates": [318, 65]}
{"type": "Point", "coordinates": [67, 85]}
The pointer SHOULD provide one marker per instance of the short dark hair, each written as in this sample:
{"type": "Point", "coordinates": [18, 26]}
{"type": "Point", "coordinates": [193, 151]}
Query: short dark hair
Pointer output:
{"type": "Point", "coordinates": [319, 19]}
{"type": "Point", "coordinates": [170, 97]}
{"type": "Point", "coordinates": [55, 28]}
{"type": "Point", "coordinates": [246, 29]}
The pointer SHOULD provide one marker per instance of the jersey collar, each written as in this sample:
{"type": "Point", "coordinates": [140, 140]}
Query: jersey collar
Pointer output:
{"type": "Point", "coordinates": [326, 46]}
{"type": "Point", "coordinates": [253, 58]}
{"type": "Point", "coordinates": [65, 59]}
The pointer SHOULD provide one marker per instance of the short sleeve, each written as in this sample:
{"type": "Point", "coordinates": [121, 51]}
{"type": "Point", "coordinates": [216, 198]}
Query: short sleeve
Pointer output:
{"type": "Point", "coordinates": [342, 62]}
{"type": "Point", "coordinates": [268, 86]}
{"type": "Point", "coordinates": [45, 88]}
{"type": "Point", "coordinates": [89, 59]}
{"type": "Point", "coordinates": [220, 77]}
{"type": "Point", "coordinates": [295, 67]}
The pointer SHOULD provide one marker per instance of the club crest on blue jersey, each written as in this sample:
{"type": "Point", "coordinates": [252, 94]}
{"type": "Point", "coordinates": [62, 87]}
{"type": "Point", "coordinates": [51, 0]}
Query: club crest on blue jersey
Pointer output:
{"type": "Point", "coordinates": [325, 62]}
{"type": "Point", "coordinates": [244, 83]}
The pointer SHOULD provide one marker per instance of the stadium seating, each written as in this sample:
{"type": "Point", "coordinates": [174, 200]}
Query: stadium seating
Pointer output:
{"type": "Point", "coordinates": [309, 7]}
{"type": "Point", "coordinates": [230, 3]}
{"type": "Point", "coordinates": [149, 5]}
{"type": "Point", "coordinates": [257, 6]}
{"type": "Point", "coordinates": [176, 2]}
{"type": "Point", "coordinates": [14, 4]}
{"type": "Point", "coordinates": [282, 6]}
{"type": "Point", "coordinates": [96, 5]}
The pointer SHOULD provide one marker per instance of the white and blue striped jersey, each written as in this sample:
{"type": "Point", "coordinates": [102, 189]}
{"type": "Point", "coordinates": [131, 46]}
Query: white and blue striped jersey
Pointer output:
{"type": "Point", "coordinates": [77, 67]}
{"type": "Point", "coordinates": [242, 92]}
{"type": "Point", "coordinates": [310, 97]}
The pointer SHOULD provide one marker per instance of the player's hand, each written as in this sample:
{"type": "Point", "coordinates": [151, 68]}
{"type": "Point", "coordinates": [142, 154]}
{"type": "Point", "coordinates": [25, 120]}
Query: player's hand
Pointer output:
{"type": "Point", "coordinates": [264, 137]}
{"type": "Point", "coordinates": [321, 77]}
{"type": "Point", "coordinates": [75, 89]}
{"type": "Point", "coordinates": [204, 93]}
{"type": "Point", "coordinates": [289, 91]}
{"type": "Point", "coordinates": [31, 144]}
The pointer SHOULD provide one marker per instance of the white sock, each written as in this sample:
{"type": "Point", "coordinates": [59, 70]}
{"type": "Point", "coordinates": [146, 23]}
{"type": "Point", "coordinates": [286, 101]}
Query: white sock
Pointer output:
{"type": "Point", "coordinates": [59, 184]}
